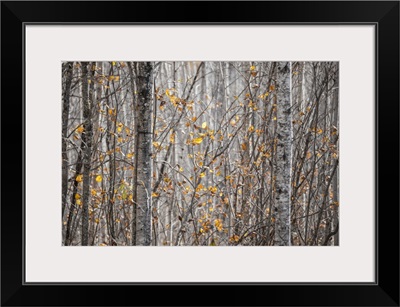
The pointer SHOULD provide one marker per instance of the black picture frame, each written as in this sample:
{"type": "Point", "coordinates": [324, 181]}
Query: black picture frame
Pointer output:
{"type": "Point", "coordinates": [384, 292]}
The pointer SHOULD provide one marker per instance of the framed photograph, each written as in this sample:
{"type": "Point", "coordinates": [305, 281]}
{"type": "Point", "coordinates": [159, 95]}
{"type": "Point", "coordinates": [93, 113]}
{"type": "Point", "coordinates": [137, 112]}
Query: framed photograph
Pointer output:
{"type": "Point", "coordinates": [214, 153]}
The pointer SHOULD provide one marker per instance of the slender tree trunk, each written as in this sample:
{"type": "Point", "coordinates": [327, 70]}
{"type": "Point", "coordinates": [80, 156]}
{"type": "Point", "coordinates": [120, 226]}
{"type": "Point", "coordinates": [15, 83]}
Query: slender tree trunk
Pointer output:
{"type": "Point", "coordinates": [65, 115]}
{"type": "Point", "coordinates": [335, 183]}
{"type": "Point", "coordinates": [87, 139]}
{"type": "Point", "coordinates": [134, 179]}
{"type": "Point", "coordinates": [284, 155]}
{"type": "Point", "coordinates": [144, 152]}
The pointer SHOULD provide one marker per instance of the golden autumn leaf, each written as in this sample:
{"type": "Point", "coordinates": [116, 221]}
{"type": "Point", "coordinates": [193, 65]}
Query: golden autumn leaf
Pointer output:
{"type": "Point", "coordinates": [80, 129]}
{"type": "Point", "coordinates": [129, 155]}
{"type": "Point", "coordinates": [204, 125]}
{"type": "Point", "coordinates": [271, 87]}
{"type": "Point", "coordinates": [79, 202]}
{"type": "Point", "coordinates": [172, 138]}
{"type": "Point", "coordinates": [202, 175]}
{"type": "Point", "coordinates": [154, 194]}
{"type": "Point", "coordinates": [113, 63]}
{"type": "Point", "coordinates": [99, 178]}
{"type": "Point", "coordinates": [77, 196]}
{"type": "Point", "coordinates": [244, 146]}
{"type": "Point", "coordinates": [97, 221]}
{"type": "Point", "coordinates": [156, 144]}
{"type": "Point", "coordinates": [197, 140]}
{"type": "Point", "coordinates": [252, 68]}
{"type": "Point", "coordinates": [79, 178]}
{"type": "Point", "coordinates": [93, 192]}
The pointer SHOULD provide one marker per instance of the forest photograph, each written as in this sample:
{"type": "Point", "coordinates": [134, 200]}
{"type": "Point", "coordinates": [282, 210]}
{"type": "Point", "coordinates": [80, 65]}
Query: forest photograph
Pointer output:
{"type": "Point", "coordinates": [200, 153]}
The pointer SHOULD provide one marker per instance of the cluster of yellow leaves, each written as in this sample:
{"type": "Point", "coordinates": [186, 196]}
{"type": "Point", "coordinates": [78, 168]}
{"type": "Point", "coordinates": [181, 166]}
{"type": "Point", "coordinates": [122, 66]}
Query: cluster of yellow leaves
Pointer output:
{"type": "Point", "coordinates": [99, 178]}
{"type": "Point", "coordinates": [119, 127]}
{"type": "Point", "coordinates": [234, 238]}
{"type": "Point", "coordinates": [156, 145]}
{"type": "Point", "coordinates": [253, 71]}
{"type": "Point", "coordinates": [218, 224]}
{"type": "Point", "coordinates": [172, 138]}
{"type": "Point", "coordinates": [213, 189]}
{"type": "Point", "coordinates": [113, 78]}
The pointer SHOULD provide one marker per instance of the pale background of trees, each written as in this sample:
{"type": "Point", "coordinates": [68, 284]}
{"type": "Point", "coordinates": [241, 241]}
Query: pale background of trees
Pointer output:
{"type": "Point", "coordinates": [237, 153]}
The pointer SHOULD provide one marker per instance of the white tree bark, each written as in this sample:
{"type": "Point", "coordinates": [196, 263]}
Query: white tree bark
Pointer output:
{"type": "Point", "coordinates": [283, 155]}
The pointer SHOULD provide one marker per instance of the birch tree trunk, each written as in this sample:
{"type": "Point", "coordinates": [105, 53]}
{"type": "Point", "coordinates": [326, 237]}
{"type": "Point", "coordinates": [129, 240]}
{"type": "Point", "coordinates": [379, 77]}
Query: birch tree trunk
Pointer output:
{"type": "Point", "coordinates": [283, 155]}
{"type": "Point", "coordinates": [87, 140]}
{"type": "Point", "coordinates": [144, 152]}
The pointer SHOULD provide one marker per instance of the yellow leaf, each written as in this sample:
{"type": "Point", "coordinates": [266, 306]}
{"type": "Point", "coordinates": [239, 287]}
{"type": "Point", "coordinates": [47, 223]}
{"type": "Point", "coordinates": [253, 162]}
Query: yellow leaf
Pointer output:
{"type": "Point", "coordinates": [213, 190]}
{"type": "Point", "coordinates": [202, 175]}
{"type": "Point", "coordinates": [97, 221]}
{"type": "Point", "coordinates": [251, 128]}
{"type": "Point", "coordinates": [252, 68]}
{"type": "Point", "coordinates": [172, 138]}
{"type": "Point", "coordinates": [181, 169]}
{"type": "Point", "coordinates": [154, 194]}
{"type": "Point", "coordinates": [80, 129]}
{"type": "Point", "coordinates": [197, 140]}
{"type": "Point", "coordinates": [156, 144]}
{"type": "Point", "coordinates": [204, 125]}
{"type": "Point", "coordinates": [77, 196]}
{"type": "Point", "coordinates": [99, 178]}
{"type": "Point", "coordinates": [79, 178]}
{"type": "Point", "coordinates": [113, 63]}
{"type": "Point", "coordinates": [274, 118]}
{"type": "Point", "coordinates": [194, 119]}
{"type": "Point", "coordinates": [116, 78]}
{"type": "Point", "coordinates": [271, 87]}
{"type": "Point", "coordinates": [244, 146]}
{"type": "Point", "coordinates": [78, 202]}
{"type": "Point", "coordinates": [110, 78]}
{"type": "Point", "coordinates": [129, 155]}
